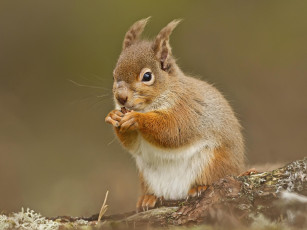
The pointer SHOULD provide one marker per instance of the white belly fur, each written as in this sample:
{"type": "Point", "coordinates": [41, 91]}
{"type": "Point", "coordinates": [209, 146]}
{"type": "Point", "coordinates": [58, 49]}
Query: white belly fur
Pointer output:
{"type": "Point", "coordinates": [171, 173]}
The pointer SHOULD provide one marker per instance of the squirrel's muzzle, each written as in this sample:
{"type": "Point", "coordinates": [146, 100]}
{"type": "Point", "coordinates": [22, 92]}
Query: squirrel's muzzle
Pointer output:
{"type": "Point", "coordinates": [122, 99]}
{"type": "Point", "coordinates": [121, 93]}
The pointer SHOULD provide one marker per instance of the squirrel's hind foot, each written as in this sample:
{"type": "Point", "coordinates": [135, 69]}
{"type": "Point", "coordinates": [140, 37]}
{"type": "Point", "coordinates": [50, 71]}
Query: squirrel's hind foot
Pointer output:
{"type": "Point", "coordinates": [249, 172]}
{"type": "Point", "coordinates": [146, 202]}
{"type": "Point", "coordinates": [196, 191]}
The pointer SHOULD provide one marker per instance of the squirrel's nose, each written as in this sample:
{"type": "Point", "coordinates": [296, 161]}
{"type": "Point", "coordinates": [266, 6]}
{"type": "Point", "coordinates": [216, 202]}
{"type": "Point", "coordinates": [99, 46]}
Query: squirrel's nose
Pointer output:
{"type": "Point", "coordinates": [121, 92]}
{"type": "Point", "coordinates": [122, 99]}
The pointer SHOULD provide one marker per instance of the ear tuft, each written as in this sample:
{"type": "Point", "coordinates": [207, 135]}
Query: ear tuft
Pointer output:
{"type": "Point", "coordinates": [134, 32]}
{"type": "Point", "coordinates": [161, 45]}
{"type": "Point", "coordinates": [165, 33]}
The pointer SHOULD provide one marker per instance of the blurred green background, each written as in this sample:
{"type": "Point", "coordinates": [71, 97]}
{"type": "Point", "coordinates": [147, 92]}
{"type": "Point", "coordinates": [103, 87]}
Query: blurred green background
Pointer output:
{"type": "Point", "coordinates": [58, 157]}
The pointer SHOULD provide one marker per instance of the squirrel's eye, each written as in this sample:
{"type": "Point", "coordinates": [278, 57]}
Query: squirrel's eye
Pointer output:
{"type": "Point", "coordinates": [146, 76]}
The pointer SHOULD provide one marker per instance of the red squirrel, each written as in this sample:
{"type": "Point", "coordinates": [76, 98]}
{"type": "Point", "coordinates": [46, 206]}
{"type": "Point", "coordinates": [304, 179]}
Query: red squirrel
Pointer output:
{"type": "Point", "coordinates": [181, 131]}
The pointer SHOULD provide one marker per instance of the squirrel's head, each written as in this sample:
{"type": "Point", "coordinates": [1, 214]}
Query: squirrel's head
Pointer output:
{"type": "Point", "coordinates": [144, 68]}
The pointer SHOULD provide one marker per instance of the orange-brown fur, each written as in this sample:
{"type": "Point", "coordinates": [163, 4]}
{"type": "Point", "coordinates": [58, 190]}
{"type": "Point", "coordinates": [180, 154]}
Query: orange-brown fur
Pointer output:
{"type": "Point", "coordinates": [197, 190]}
{"type": "Point", "coordinates": [220, 166]}
{"type": "Point", "coordinates": [126, 138]}
{"type": "Point", "coordinates": [146, 199]}
{"type": "Point", "coordinates": [162, 129]}
{"type": "Point", "coordinates": [171, 115]}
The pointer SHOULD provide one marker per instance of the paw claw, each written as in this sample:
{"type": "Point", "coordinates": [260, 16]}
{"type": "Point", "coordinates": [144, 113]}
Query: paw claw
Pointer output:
{"type": "Point", "coordinates": [128, 122]}
{"type": "Point", "coordinates": [114, 117]}
{"type": "Point", "coordinates": [146, 202]}
{"type": "Point", "coordinates": [196, 191]}
{"type": "Point", "coordinates": [249, 172]}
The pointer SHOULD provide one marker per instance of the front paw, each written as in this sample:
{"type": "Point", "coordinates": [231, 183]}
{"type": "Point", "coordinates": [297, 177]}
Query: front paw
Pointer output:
{"type": "Point", "coordinates": [128, 122]}
{"type": "Point", "coordinates": [146, 202]}
{"type": "Point", "coordinates": [114, 118]}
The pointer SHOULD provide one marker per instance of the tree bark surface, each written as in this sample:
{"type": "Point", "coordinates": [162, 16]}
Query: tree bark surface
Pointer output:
{"type": "Point", "coordinates": [231, 201]}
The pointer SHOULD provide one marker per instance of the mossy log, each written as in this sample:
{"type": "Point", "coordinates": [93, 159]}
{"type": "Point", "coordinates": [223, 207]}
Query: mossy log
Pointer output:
{"type": "Point", "coordinates": [231, 201]}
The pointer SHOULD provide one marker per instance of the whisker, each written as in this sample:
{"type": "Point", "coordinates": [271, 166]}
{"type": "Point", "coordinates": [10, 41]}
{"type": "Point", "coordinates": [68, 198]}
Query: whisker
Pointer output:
{"type": "Point", "coordinates": [104, 95]}
{"type": "Point", "coordinates": [88, 86]}
{"type": "Point", "coordinates": [92, 98]}
{"type": "Point", "coordinates": [96, 77]}
{"type": "Point", "coordinates": [111, 142]}
{"type": "Point", "coordinates": [99, 77]}
{"type": "Point", "coordinates": [86, 78]}
{"type": "Point", "coordinates": [95, 104]}
{"type": "Point", "coordinates": [82, 99]}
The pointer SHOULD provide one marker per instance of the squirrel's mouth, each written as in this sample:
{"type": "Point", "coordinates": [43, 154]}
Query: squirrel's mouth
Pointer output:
{"type": "Point", "coordinates": [139, 107]}
{"type": "Point", "coordinates": [131, 107]}
{"type": "Point", "coordinates": [135, 107]}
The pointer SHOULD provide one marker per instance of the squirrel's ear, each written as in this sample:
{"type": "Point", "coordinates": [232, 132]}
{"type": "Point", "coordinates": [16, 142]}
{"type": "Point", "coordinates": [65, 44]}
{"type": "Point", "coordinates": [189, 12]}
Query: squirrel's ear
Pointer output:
{"type": "Point", "coordinates": [134, 32]}
{"type": "Point", "coordinates": [161, 45]}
